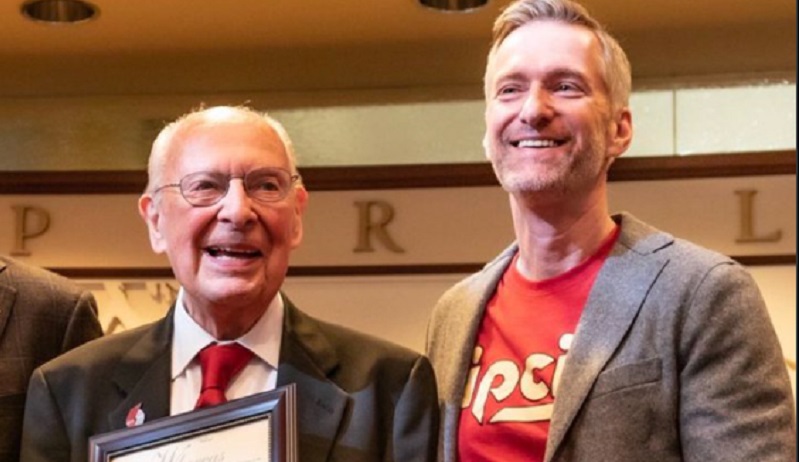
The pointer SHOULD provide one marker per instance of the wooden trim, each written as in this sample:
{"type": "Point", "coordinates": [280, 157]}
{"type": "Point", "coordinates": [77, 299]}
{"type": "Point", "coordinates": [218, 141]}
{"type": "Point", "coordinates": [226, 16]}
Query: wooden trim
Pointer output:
{"type": "Point", "coordinates": [73, 182]}
{"type": "Point", "coordinates": [352, 178]}
{"type": "Point", "coordinates": [386, 270]}
{"type": "Point", "coordinates": [704, 166]}
{"type": "Point", "coordinates": [114, 273]}
{"type": "Point", "coordinates": [361, 270]}
{"type": "Point", "coordinates": [765, 260]}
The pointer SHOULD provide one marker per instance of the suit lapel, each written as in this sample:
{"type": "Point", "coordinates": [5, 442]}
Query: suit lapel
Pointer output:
{"type": "Point", "coordinates": [617, 295]}
{"type": "Point", "coordinates": [143, 375]}
{"type": "Point", "coordinates": [307, 359]}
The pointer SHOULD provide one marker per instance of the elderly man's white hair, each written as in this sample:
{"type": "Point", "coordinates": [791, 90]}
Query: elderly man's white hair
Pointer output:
{"type": "Point", "coordinates": [236, 115]}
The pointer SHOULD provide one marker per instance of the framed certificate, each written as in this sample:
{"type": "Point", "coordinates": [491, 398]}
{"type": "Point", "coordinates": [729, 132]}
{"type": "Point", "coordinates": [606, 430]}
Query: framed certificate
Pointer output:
{"type": "Point", "coordinates": [257, 428]}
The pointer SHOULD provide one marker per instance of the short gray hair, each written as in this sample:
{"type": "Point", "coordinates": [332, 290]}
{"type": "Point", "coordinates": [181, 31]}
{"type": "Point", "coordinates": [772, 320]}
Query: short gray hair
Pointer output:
{"type": "Point", "coordinates": [616, 72]}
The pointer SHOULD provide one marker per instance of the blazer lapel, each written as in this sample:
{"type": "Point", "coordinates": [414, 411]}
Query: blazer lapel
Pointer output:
{"type": "Point", "coordinates": [457, 338]}
{"type": "Point", "coordinates": [464, 326]}
{"type": "Point", "coordinates": [307, 359]}
{"type": "Point", "coordinates": [143, 375]}
{"type": "Point", "coordinates": [618, 293]}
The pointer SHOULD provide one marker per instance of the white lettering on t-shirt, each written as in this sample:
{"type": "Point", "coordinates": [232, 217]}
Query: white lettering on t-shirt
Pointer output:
{"type": "Point", "coordinates": [503, 376]}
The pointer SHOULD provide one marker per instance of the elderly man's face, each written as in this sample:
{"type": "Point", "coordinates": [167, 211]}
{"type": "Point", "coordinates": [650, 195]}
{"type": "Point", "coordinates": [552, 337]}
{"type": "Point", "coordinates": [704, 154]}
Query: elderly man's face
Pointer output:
{"type": "Point", "coordinates": [235, 252]}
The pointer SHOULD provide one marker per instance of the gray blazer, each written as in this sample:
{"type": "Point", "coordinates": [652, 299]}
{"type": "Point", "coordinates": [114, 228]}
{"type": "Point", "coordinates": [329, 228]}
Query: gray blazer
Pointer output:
{"type": "Point", "coordinates": [41, 316]}
{"type": "Point", "coordinates": [674, 359]}
{"type": "Point", "coordinates": [358, 398]}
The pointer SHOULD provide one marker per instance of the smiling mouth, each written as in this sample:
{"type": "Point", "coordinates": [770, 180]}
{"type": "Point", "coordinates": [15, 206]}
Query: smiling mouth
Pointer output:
{"type": "Point", "coordinates": [528, 143]}
{"type": "Point", "coordinates": [216, 251]}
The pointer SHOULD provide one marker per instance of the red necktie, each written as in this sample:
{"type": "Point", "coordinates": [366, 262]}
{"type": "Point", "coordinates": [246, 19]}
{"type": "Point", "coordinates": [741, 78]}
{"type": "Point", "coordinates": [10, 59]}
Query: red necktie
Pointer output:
{"type": "Point", "coordinates": [219, 364]}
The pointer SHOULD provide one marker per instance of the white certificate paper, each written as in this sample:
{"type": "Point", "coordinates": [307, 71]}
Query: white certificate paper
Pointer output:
{"type": "Point", "coordinates": [247, 442]}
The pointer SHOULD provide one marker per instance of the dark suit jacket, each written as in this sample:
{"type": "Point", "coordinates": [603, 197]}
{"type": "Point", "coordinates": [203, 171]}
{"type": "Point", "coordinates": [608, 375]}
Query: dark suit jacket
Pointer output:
{"type": "Point", "coordinates": [358, 398]}
{"type": "Point", "coordinates": [41, 316]}
{"type": "Point", "coordinates": [674, 359]}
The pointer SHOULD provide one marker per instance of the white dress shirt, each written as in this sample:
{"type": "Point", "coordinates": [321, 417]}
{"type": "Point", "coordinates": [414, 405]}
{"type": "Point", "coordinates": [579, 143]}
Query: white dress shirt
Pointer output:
{"type": "Point", "coordinates": [260, 374]}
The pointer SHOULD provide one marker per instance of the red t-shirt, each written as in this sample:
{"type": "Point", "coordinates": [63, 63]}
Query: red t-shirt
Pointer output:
{"type": "Point", "coordinates": [523, 340]}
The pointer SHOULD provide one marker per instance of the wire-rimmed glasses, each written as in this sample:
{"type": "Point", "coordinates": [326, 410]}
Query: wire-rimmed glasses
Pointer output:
{"type": "Point", "coordinates": [203, 189]}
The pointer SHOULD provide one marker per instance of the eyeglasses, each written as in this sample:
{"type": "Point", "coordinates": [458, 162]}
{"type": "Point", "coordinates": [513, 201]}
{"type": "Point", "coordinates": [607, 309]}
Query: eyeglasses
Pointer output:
{"type": "Point", "coordinates": [203, 189]}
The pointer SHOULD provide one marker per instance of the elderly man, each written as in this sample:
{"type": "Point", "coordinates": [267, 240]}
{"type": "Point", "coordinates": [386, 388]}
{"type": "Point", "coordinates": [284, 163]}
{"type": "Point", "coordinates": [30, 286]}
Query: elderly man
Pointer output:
{"type": "Point", "coordinates": [224, 203]}
{"type": "Point", "coordinates": [595, 337]}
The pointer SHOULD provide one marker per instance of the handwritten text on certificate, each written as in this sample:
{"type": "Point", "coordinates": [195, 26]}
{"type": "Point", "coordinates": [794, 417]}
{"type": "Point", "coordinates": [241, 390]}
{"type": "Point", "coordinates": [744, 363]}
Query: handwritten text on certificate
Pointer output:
{"type": "Point", "coordinates": [245, 442]}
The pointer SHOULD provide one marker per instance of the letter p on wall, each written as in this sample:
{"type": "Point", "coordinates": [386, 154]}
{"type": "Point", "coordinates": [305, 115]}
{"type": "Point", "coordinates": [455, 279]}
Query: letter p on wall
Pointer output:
{"type": "Point", "coordinates": [30, 222]}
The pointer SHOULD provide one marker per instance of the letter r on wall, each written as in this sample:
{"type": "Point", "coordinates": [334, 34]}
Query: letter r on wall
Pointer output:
{"type": "Point", "coordinates": [371, 224]}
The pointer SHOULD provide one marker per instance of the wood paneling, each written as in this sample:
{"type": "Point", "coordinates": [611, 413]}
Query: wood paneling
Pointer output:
{"type": "Point", "coordinates": [417, 176]}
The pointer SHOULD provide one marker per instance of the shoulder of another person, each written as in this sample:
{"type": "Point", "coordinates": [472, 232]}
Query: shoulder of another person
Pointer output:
{"type": "Point", "coordinates": [689, 256]}
{"type": "Point", "coordinates": [349, 337]}
{"type": "Point", "coordinates": [100, 353]}
{"type": "Point", "coordinates": [37, 281]}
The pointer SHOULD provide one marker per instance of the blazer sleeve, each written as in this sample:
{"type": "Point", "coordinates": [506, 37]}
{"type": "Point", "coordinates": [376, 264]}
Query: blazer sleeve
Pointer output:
{"type": "Point", "coordinates": [416, 416]}
{"type": "Point", "coordinates": [735, 400]}
{"type": "Point", "coordinates": [44, 435]}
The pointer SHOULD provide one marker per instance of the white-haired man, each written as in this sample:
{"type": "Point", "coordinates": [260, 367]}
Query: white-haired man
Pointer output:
{"type": "Point", "coordinates": [224, 203]}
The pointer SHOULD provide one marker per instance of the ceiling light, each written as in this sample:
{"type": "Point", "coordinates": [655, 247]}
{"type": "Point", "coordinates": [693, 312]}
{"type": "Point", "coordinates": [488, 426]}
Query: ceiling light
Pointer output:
{"type": "Point", "coordinates": [453, 5]}
{"type": "Point", "coordinates": [59, 11]}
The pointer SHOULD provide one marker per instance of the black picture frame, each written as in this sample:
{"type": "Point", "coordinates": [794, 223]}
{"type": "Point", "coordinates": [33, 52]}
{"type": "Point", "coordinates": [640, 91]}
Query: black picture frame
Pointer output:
{"type": "Point", "coordinates": [210, 429]}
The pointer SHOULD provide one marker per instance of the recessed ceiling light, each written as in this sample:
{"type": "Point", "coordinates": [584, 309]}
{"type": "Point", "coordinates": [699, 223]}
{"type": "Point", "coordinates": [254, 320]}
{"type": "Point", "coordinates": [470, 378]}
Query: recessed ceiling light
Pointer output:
{"type": "Point", "coordinates": [454, 5]}
{"type": "Point", "coordinates": [59, 11]}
